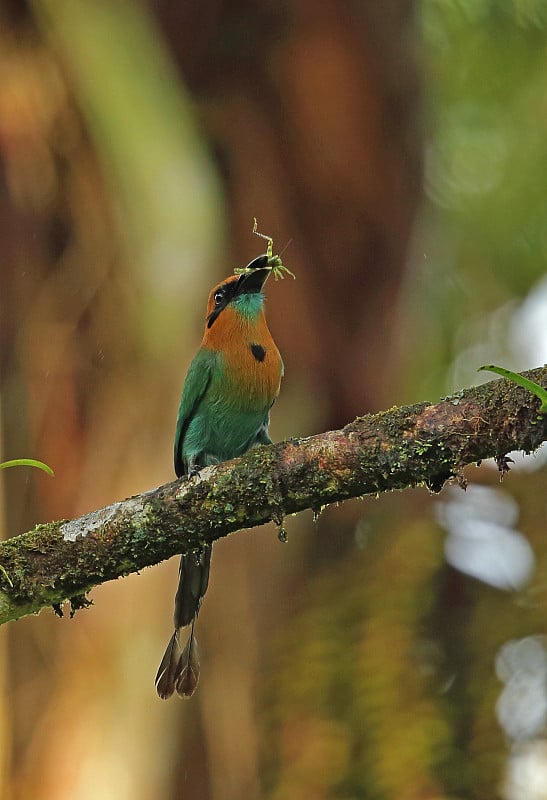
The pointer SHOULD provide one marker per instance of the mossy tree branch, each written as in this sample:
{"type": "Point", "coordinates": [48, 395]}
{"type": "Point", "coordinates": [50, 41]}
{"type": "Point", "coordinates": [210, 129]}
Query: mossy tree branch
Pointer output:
{"type": "Point", "coordinates": [423, 444]}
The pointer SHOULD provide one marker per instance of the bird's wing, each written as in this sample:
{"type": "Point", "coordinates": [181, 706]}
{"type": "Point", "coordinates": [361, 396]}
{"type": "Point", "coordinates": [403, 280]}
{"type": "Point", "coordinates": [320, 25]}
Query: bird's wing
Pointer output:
{"type": "Point", "coordinates": [197, 380]}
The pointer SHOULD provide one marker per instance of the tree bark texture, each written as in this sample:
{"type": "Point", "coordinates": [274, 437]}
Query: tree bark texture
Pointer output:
{"type": "Point", "coordinates": [405, 447]}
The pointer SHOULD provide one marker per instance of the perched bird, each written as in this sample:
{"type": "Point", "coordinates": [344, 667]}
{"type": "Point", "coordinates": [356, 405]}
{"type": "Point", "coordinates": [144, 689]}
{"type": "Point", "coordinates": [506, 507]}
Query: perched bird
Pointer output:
{"type": "Point", "coordinates": [224, 410]}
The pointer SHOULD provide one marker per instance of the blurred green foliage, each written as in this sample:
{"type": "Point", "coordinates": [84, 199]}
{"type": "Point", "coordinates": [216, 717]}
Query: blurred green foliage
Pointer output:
{"type": "Point", "coordinates": [483, 238]}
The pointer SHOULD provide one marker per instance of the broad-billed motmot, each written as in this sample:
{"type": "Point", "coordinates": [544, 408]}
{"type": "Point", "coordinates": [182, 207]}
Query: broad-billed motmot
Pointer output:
{"type": "Point", "coordinates": [224, 410]}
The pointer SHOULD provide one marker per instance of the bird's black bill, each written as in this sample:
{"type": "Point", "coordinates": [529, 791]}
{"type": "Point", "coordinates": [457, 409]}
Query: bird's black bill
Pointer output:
{"type": "Point", "coordinates": [251, 282]}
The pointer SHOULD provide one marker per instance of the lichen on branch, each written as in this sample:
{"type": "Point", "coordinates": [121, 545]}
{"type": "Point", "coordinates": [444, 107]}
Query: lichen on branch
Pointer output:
{"type": "Point", "coordinates": [420, 445]}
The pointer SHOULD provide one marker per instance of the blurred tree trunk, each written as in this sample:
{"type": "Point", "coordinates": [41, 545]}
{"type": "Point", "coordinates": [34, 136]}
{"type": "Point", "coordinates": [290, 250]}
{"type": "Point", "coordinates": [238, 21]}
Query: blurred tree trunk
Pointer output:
{"type": "Point", "coordinates": [313, 113]}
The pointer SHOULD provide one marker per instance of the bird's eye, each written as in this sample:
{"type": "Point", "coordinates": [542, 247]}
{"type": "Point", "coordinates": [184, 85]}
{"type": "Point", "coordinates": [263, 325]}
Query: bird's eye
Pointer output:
{"type": "Point", "coordinates": [219, 297]}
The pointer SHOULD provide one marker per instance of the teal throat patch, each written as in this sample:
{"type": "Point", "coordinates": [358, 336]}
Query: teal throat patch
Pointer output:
{"type": "Point", "coordinates": [249, 305]}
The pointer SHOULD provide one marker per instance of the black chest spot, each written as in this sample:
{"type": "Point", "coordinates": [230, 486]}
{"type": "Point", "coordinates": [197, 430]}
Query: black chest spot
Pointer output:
{"type": "Point", "coordinates": [258, 352]}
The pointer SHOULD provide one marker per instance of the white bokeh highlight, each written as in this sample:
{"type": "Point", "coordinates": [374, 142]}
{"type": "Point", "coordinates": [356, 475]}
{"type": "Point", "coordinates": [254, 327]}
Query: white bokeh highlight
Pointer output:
{"type": "Point", "coordinates": [522, 706]}
{"type": "Point", "coordinates": [482, 541]}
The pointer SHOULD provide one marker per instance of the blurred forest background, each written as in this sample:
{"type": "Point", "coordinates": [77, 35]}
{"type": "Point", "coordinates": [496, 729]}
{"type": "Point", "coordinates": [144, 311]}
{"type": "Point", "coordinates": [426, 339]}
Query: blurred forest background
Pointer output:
{"type": "Point", "coordinates": [393, 648]}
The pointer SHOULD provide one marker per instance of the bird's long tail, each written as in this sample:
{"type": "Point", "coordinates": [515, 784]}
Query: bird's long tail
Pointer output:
{"type": "Point", "coordinates": [179, 669]}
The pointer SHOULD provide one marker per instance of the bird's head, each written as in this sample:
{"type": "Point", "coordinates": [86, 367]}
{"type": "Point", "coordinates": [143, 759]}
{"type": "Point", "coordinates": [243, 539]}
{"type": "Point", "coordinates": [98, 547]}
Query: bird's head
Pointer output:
{"type": "Point", "coordinates": [240, 294]}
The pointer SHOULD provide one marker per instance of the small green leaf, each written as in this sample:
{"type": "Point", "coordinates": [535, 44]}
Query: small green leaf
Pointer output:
{"type": "Point", "coordinates": [520, 380]}
{"type": "Point", "coordinates": [27, 462]}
